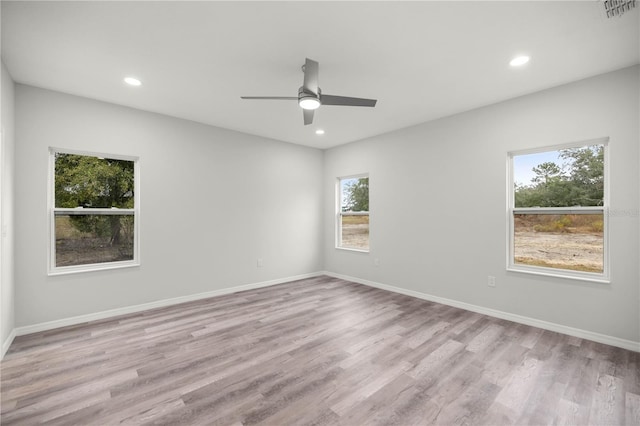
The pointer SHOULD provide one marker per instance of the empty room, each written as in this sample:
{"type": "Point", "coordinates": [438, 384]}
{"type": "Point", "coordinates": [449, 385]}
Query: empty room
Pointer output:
{"type": "Point", "coordinates": [315, 212]}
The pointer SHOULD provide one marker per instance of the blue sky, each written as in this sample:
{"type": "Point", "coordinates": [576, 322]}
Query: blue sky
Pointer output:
{"type": "Point", "coordinates": [344, 183]}
{"type": "Point", "coordinates": [522, 165]}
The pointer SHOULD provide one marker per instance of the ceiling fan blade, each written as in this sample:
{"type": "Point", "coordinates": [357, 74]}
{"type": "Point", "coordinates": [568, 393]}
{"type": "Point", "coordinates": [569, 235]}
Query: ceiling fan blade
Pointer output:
{"type": "Point", "coordinates": [308, 116]}
{"type": "Point", "coordinates": [280, 98]}
{"type": "Point", "coordinates": [310, 76]}
{"type": "Point", "coordinates": [346, 101]}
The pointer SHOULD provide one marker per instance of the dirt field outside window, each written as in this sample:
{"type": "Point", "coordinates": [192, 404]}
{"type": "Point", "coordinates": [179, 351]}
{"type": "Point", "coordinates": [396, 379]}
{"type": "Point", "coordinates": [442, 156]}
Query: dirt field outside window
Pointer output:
{"type": "Point", "coordinates": [355, 232]}
{"type": "Point", "coordinates": [574, 242]}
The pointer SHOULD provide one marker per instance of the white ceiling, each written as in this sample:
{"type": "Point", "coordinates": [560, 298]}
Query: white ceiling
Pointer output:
{"type": "Point", "coordinates": [421, 60]}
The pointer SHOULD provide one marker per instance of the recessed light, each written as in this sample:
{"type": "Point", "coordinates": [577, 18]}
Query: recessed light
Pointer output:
{"type": "Point", "coordinates": [519, 61]}
{"type": "Point", "coordinates": [131, 81]}
{"type": "Point", "coordinates": [319, 132]}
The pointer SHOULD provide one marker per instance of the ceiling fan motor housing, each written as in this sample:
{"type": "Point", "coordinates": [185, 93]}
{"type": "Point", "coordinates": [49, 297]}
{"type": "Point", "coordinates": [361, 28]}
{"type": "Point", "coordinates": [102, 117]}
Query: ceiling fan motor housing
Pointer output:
{"type": "Point", "coordinates": [308, 99]}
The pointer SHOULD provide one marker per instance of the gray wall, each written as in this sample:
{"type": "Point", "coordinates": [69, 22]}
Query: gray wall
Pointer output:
{"type": "Point", "coordinates": [438, 204]}
{"type": "Point", "coordinates": [212, 202]}
{"type": "Point", "coordinates": [7, 204]}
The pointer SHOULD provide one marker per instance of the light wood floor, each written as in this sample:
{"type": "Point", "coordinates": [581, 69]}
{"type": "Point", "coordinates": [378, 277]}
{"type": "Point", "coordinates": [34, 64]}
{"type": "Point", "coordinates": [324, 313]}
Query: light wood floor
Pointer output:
{"type": "Point", "coordinates": [315, 351]}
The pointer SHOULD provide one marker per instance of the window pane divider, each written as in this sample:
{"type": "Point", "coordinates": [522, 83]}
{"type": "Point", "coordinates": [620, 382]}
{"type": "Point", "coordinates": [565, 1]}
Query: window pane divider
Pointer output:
{"type": "Point", "coordinates": [558, 210]}
{"type": "Point", "coordinates": [354, 213]}
{"type": "Point", "coordinates": [61, 211]}
{"type": "Point", "coordinates": [87, 263]}
{"type": "Point", "coordinates": [603, 209]}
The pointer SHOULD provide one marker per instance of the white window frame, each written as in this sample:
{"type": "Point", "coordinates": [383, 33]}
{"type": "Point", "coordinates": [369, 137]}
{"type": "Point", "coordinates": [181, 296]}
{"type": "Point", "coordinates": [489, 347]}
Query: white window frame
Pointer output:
{"type": "Point", "coordinates": [603, 277]}
{"type": "Point", "coordinates": [340, 214]}
{"type": "Point", "coordinates": [53, 211]}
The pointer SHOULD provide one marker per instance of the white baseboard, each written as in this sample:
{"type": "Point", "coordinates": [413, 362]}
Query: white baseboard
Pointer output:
{"type": "Point", "coordinates": [7, 343]}
{"type": "Point", "coordinates": [50, 325]}
{"type": "Point", "coordinates": [583, 334]}
{"type": "Point", "coordinates": [559, 328]}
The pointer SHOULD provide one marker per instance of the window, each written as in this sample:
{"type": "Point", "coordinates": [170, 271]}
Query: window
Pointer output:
{"type": "Point", "coordinates": [94, 220]}
{"type": "Point", "coordinates": [353, 213]}
{"type": "Point", "coordinates": [557, 211]}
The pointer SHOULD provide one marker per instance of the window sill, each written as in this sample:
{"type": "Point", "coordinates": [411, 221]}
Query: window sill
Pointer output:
{"type": "Point", "coordinates": [66, 270]}
{"type": "Point", "coordinates": [352, 249]}
{"type": "Point", "coordinates": [594, 278]}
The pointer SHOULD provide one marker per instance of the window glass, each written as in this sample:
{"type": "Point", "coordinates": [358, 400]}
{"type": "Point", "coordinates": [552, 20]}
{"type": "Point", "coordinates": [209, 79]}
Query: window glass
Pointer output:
{"type": "Point", "coordinates": [558, 210]}
{"type": "Point", "coordinates": [353, 216]}
{"type": "Point", "coordinates": [563, 241]}
{"type": "Point", "coordinates": [88, 239]}
{"type": "Point", "coordinates": [563, 178]}
{"type": "Point", "coordinates": [94, 212]}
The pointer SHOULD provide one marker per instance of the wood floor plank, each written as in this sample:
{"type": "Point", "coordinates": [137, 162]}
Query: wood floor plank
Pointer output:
{"type": "Point", "coordinates": [632, 409]}
{"type": "Point", "coordinates": [470, 406]}
{"type": "Point", "coordinates": [320, 351]}
{"type": "Point", "coordinates": [485, 338]}
{"type": "Point", "coordinates": [515, 394]}
{"type": "Point", "coordinates": [368, 388]}
{"type": "Point", "coordinates": [380, 407]}
{"type": "Point", "coordinates": [608, 406]}
{"type": "Point", "coordinates": [81, 403]}
{"type": "Point", "coordinates": [435, 359]}
{"type": "Point", "coordinates": [568, 413]}
{"type": "Point", "coordinates": [425, 333]}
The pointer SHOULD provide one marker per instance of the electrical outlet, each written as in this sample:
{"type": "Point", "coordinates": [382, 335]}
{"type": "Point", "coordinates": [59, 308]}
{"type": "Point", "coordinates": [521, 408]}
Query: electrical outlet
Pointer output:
{"type": "Point", "coordinates": [376, 262]}
{"type": "Point", "coordinates": [491, 281]}
{"type": "Point", "coordinates": [260, 262]}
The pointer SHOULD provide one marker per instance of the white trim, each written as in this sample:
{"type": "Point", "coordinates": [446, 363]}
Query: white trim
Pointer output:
{"type": "Point", "coordinates": [52, 211]}
{"type": "Point", "coordinates": [44, 326]}
{"type": "Point", "coordinates": [339, 213]}
{"type": "Point", "coordinates": [354, 176]}
{"type": "Point", "coordinates": [557, 147]}
{"type": "Point", "coordinates": [93, 267]}
{"type": "Point", "coordinates": [559, 210]}
{"type": "Point", "coordinates": [337, 207]}
{"type": "Point", "coordinates": [559, 328]}
{"type": "Point", "coordinates": [353, 249]}
{"type": "Point", "coordinates": [2, 236]}
{"type": "Point", "coordinates": [512, 266]}
{"type": "Point", "coordinates": [7, 343]}
{"type": "Point", "coordinates": [551, 272]}
{"type": "Point", "coordinates": [82, 211]}
{"type": "Point", "coordinates": [53, 150]}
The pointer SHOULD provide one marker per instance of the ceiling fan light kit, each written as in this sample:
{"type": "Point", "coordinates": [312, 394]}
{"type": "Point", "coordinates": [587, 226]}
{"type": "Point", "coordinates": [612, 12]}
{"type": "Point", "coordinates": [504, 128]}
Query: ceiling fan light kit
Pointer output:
{"type": "Point", "coordinates": [308, 100]}
{"type": "Point", "coordinates": [310, 96]}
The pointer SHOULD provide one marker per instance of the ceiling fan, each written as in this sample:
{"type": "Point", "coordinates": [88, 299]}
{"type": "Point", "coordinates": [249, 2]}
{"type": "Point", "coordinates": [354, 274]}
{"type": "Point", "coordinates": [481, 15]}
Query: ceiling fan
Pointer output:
{"type": "Point", "coordinates": [310, 97]}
